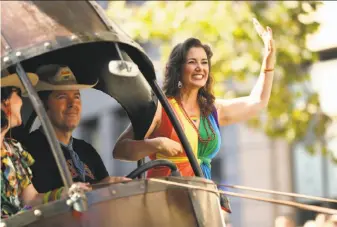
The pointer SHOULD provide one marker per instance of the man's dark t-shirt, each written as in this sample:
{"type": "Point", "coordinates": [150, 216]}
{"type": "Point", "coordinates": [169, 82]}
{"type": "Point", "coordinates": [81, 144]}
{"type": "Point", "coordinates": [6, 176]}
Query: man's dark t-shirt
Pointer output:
{"type": "Point", "coordinates": [46, 175]}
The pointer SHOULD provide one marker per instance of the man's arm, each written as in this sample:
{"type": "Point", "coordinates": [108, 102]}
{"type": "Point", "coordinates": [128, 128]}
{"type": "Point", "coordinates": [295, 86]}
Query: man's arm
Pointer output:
{"type": "Point", "coordinates": [110, 179]}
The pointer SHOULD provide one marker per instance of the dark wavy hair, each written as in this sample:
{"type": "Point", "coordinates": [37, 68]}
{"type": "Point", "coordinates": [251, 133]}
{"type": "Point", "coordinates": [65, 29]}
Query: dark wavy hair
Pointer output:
{"type": "Point", "coordinates": [6, 93]}
{"type": "Point", "coordinates": [174, 71]}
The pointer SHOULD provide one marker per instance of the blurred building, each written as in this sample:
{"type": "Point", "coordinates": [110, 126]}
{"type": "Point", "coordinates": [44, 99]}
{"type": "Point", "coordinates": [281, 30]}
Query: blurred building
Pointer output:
{"type": "Point", "coordinates": [317, 174]}
{"type": "Point", "coordinates": [247, 157]}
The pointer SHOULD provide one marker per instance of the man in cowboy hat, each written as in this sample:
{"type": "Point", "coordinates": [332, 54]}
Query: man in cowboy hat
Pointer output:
{"type": "Point", "coordinates": [60, 94]}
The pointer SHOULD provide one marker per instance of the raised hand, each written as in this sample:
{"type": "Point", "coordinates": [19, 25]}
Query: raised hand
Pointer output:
{"type": "Point", "coordinates": [269, 43]}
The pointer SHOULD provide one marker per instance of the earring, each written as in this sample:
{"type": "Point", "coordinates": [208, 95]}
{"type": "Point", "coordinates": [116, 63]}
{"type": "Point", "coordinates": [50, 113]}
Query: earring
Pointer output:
{"type": "Point", "coordinates": [180, 85]}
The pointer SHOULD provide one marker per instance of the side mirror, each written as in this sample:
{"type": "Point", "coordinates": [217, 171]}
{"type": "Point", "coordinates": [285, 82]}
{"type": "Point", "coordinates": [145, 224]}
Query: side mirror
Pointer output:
{"type": "Point", "coordinates": [123, 68]}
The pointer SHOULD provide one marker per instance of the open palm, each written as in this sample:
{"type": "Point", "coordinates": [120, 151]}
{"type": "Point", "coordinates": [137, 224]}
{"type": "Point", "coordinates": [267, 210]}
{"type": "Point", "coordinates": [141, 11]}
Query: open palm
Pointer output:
{"type": "Point", "coordinates": [267, 37]}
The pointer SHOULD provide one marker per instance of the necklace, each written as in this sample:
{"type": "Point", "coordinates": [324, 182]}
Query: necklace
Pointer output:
{"type": "Point", "coordinates": [209, 137]}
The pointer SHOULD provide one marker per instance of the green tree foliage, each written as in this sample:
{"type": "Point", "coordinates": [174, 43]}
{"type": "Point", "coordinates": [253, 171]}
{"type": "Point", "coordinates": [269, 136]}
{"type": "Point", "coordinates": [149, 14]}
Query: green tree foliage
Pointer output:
{"type": "Point", "coordinates": [293, 112]}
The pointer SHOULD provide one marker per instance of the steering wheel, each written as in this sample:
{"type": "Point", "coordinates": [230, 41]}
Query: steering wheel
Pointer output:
{"type": "Point", "coordinates": [152, 164]}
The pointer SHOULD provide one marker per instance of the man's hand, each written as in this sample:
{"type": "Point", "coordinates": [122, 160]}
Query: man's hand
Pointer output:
{"type": "Point", "coordinates": [78, 185]}
{"type": "Point", "coordinates": [111, 179]}
{"type": "Point", "coordinates": [118, 179]}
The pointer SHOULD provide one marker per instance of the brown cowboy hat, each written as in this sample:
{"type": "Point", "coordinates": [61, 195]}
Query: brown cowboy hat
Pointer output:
{"type": "Point", "coordinates": [58, 77]}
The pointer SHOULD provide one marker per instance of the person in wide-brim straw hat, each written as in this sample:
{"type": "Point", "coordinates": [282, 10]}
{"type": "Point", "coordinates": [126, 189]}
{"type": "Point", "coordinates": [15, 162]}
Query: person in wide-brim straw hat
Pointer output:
{"type": "Point", "coordinates": [55, 77]}
{"type": "Point", "coordinates": [15, 161]}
